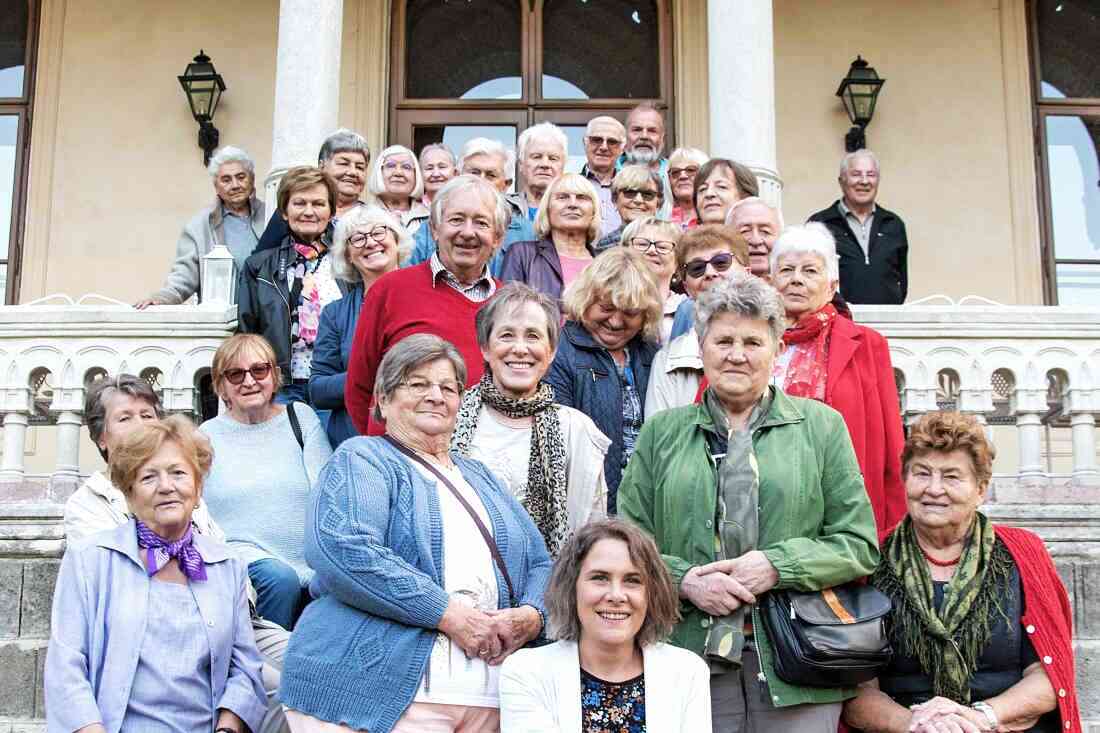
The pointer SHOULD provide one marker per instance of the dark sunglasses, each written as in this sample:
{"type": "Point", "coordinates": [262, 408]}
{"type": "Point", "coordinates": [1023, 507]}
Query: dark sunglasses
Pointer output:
{"type": "Point", "coordinates": [597, 141]}
{"type": "Point", "coordinates": [698, 268]}
{"type": "Point", "coordinates": [633, 193]}
{"type": "Point", "coordinates": [259, 372]}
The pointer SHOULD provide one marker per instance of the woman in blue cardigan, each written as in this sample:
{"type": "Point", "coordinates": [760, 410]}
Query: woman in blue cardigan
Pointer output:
{"type": "Point", "coordinates": [602, 365]}
{"type": "Point", "coordinates": [429, 573]}
{"type": "Point", "coordinates": [367, 244]}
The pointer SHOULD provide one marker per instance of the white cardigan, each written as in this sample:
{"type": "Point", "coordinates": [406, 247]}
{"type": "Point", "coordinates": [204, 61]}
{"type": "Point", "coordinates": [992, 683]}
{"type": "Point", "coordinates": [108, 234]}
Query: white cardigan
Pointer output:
{"type": "Point", "coordinates": [540, 690]}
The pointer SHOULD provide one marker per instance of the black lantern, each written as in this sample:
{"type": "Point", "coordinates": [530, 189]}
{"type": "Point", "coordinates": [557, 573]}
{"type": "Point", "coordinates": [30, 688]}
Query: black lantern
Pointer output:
{"type": "Point", "coordinates": [203, 86]}
{"type": "Point", "coordinates": [858, 91]}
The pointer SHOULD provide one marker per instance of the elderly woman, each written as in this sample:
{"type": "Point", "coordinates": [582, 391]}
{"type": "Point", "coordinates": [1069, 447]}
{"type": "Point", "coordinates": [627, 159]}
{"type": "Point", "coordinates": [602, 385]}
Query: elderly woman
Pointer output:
{"type": "Point", "coordinates": [831, 359]}
{"type": "Point", "coordinates": [683, 166]}
{"type": "Point", "coordinates": [611, 603]}
{"type": "Point", "coordinates": [396, 184]}
{"type": "Point", "coordinates": [438, 165]}
{"type": "Point", "coordinates": [267, 458]}
{"type": "Point", "coordinates": [981, 627]}
{"type": "Point", "coordinates": [747, 491]}
{"type": "Point", "coordinates": [567, 224]}
{"type": "Point", "coordinates": [368, 243]}
{"type": "Point", "coordinates": [719, 184]}
{"type": "Point", "coordinates": [638, 191]}
{"type": "Point", "coordinates": [656, 240]}
{"type": "Point", "coordinates": [282, 291]}
{"type": "Point", "coordinates": [150, 627]}
{"type": "Point", "coordinates": [603, 361]}
{"type": "Point", "coordinates": [550, 456]}
{"type": "Point", "coordinates": [429, 572]}
{"type": "Point", "coordinates": [706, 255]}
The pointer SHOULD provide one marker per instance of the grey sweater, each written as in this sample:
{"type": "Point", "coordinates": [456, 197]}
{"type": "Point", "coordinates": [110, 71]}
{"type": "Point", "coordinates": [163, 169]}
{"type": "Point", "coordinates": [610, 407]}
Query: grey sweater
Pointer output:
{"type": "Point", "coordinates": [260, 482]}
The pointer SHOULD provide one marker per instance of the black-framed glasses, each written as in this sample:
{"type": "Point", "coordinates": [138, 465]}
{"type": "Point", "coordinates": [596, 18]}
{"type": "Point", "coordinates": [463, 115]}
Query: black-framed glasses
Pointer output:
{"type": "Point", "coordinates": [377, 234]}
{"type": "Point", "coordinates": [690, 172]}
{"type": "Point", "coordinates": [259, 372]}
{"type": "Point", "coordinates": [663, 247]}
{"type": "Point", "coordinates": [633, 193]}
{"type": "Point", "coordinates": [599, 142]}
{"type": "Point", "coordinates": [421, 387]}
{"type": "Point", "coordinates": [698, 268]}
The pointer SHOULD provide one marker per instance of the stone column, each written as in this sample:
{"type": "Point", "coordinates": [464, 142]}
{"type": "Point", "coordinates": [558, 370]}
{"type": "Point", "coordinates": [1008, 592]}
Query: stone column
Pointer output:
{"type": "Point", "coordinates": [741, 61]}
{"type": "Point", "coordinates": [1030, 405]}
{"type": "Point", "coordinates": [1083, 404]}
{"type": "Point", "coordinates": [66, 475]}
{"type": "Point", "coordinates": [15, 442]}
{"type": "Point", "coordinates": [307, 85]}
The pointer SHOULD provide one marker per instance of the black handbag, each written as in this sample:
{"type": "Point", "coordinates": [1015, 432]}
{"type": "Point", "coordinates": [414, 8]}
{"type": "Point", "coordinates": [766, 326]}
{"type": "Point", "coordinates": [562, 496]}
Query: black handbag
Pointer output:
{"type": "Point", "coordinates": [834, 637]}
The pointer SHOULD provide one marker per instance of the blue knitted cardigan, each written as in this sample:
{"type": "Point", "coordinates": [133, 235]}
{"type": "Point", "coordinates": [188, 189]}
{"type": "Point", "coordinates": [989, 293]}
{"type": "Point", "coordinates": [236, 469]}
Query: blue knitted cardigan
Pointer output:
{"type": "Point", "coordinates": [374, 536]}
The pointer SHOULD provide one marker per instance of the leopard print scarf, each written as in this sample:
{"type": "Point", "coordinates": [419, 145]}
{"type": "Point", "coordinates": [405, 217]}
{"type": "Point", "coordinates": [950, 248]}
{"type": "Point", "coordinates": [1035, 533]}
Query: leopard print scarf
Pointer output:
{"type": "Point", "coordinates": [547, 487]}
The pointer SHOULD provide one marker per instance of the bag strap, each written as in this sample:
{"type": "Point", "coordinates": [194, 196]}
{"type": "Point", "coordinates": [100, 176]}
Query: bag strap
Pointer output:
{"type": "Point", "coordinates": [294, 424]}
{"type": "Point", "coordinates": [485, 534]}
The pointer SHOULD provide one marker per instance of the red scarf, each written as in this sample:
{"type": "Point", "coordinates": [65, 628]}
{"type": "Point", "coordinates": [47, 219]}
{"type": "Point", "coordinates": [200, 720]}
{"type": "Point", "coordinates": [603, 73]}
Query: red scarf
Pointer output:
{"type": "Point", "coordinates": [807, 370]}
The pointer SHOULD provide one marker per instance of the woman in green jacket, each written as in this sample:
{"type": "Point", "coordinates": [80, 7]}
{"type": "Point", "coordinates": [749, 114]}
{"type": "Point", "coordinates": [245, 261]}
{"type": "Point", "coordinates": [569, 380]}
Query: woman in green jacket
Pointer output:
{"type": "Point", "coordinates": [747, 491]}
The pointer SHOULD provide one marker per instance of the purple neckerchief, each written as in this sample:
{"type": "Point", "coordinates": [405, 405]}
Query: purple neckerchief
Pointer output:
{"type": "Point", "coordinates": [158, 551]}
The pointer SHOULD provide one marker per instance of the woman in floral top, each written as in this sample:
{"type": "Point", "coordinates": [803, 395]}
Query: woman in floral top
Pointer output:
{"type": "Point", "coordinates": [283, 290]}
{"type": "Point", "coordinates": [610, 601]}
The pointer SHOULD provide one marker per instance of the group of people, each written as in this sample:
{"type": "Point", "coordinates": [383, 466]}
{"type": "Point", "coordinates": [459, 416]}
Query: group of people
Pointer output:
{"type": "Point", "coordinates": [534, 461]}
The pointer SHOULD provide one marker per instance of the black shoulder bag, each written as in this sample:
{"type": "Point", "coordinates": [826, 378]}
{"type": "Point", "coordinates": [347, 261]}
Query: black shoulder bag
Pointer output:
{"type": "Point", "coordinates": [485, 534]}
{"type": "Point", "coordinates": [295, 426]}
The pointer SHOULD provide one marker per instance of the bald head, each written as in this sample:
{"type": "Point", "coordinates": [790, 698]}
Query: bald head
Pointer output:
{"type": "Point", "coordinates": [759, 223]}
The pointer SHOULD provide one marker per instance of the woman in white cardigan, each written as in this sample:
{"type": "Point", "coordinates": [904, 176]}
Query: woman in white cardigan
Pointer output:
{"type": "Point", "coordinates": [610, 600]}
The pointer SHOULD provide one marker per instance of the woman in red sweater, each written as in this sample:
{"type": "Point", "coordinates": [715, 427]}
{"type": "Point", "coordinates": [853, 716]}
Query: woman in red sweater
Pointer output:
{"type": "Point", "coordinates": [440, 296]}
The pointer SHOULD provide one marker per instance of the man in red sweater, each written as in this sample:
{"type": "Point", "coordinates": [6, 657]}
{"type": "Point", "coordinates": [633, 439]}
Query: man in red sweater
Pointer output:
{"type": "Point", "coordinates": [440, 296]}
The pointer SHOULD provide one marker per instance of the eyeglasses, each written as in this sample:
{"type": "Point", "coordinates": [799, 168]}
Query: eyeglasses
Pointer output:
{"type": "Point", "coordinates": [642, 245]}
{"type": "Point", "coordinates": [377, 234]}
{"type": "Point", "coordinates": [450, 389]}
{"type": "Point", "coordinates": [259, 372]}
{"type": "Point", "coordinates": [633, 193]}
{"type": "Point", "coordinates": [598, 142]}
{"type": "Point", "coordinates": [690, 172]}
{"type": "Point", "coordinates": [698, 268]}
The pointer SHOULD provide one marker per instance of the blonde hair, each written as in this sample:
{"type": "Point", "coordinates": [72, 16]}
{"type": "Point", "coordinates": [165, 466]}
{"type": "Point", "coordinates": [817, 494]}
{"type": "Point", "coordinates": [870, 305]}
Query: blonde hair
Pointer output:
{"type": "Point", "coordinates": [623, 276]}
{"type": "Point", "coordinates": [137, 447]}
{"type": "Point", "coordinates": [569, 183]}
{"type": "Point", "coordinates": [236, 346]}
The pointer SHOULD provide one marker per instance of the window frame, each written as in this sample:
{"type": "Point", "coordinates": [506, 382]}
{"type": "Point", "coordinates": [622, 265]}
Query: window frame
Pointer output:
{"type": "Point", "coordinates": [1042, 108]}
{"type": "Point", "coordinates": [404, 112]}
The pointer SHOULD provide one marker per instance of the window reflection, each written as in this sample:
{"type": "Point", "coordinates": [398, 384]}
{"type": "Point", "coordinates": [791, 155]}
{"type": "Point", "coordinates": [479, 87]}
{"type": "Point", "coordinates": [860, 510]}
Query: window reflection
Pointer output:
{"type": "Point", "coordinates": [1078, 284]}
{"type": "Point", "coordinates": [9, 133]}
{"type": "Point", "coordinates": [1069, 36]}
{"type": "Point", "coordinates": [13, 47]}
{"type": "Point", "coordinates": [1074, 173]}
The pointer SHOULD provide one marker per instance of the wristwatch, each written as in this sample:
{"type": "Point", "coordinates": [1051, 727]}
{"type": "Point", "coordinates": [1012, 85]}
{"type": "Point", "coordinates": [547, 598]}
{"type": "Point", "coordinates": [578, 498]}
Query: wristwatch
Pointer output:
{"type": "Point", "coordinates": [990, 716]}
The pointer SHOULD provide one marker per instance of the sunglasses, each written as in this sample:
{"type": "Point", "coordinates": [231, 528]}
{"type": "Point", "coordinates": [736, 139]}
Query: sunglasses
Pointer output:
{"type": "Point", "coordinates": [259, 372]}
{"type": "Point", "coordinates": [698, 268]}
{"type": "Point", "coordinates": [598, 142]}
{"type": "Point", "coordinates": [633, 193]}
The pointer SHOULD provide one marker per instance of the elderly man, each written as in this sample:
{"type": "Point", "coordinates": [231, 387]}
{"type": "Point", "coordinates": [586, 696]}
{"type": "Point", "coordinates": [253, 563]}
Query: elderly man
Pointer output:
{"type": "Point", "coordinates": [543, 151]}
{"type": "Point", "coordinates": [232, 220]}
{"type": "Point", "coordinates": [760, 224]}
{"type": "Point", "coordinates": [344, 158]}
{"type": "Point", "coordinates": [440, 296]}
{"type": "Point", "coordinates": [645, 141]}
{"type": "Point", "coordinates": [870, 241]}
{"type": "Point", "coordinates": [603, 143]}
{"type": "Point", "coordinates": [489, 160]}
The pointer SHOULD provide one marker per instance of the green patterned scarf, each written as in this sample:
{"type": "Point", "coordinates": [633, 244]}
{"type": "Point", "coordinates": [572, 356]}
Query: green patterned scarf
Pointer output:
{"type": "Point", "coordinates": [947, 643]}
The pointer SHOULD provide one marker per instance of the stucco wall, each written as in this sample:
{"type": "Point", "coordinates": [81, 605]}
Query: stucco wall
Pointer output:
{"type": "Point", "coordinates": [940, 130]}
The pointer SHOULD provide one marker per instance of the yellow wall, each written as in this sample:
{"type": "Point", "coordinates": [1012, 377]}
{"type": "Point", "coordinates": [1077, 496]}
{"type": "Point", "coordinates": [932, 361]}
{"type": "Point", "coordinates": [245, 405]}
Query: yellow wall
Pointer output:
{"type": "Point", "coordinates": [940, 132]}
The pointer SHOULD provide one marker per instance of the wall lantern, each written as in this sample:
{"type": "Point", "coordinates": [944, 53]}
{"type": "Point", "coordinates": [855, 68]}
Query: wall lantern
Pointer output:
{"type": "Point", "coordinates": [859, 91]}
{"type": "Point", "coordinates": [219, 277]}
{"type": "Point", "coordinates": [203, 86]}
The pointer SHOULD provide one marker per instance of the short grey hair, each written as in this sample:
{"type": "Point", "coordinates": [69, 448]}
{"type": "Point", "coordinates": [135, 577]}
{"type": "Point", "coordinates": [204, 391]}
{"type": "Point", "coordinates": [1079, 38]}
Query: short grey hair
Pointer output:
{"type": "Point", "coordinates": [99, 391]}
{"type": "Point", "coordinates": [632, 176]}
{"type": "Point", "coordinates": [692, 155]}
{"type": "Point", "coordinates": [362, 216]}
{"type": "Point", "coordinates": [488, 146]}
{"type": "Point", "coordinates": [343, 141]}
{"type": "Point", "coordinates": [230, 154]}
{"type": "Point", "coordinates": [743, 295]}
{"type": "Point", "coordinates": [607, 120]}
{"type": "Point", "coordinates": [667, 229]}
{"type": "Point", "coordinates": [755, 200]}
{"type": "Point", "coordinates": [543, 131]}
{"type": "Point", "coordinates": [438, 146]}
{"type": "Point", "coordinates": [511, 296]}
{"type": "Point", "coordinates": [376, 182]}
{"type": "Point", "coordinates": [813, 238]}
{"type": "Point", "coordinates": [408, 354]}
{"type": "Point", "coordinates": [861, 153]}
{"type": "Point", "coordinates": [501, 213]}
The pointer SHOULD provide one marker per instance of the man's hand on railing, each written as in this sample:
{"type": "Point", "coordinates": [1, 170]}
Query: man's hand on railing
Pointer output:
{"type": "Point", "coordinates": [143, 304]}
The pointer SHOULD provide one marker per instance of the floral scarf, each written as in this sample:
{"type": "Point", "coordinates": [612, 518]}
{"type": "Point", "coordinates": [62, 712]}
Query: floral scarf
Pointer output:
{"type": "Point", "coordinates": [158, 551]}
{"type": "Point", "coordinates": [807, 370]}
{"type": "Point", "coordinates": [547, 485]}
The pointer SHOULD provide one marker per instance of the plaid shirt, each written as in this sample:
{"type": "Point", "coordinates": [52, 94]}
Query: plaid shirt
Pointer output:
{"type": "Point", "coordinates": [481, 290]}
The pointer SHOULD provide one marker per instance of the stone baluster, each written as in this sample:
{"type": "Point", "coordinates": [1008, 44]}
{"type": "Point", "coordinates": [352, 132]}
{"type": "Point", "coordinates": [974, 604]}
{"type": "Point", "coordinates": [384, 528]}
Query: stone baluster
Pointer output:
{"type": "Point", "coordinates": [1083, 404]}
{"type": "Point", "coordinates": [68, 406]}
{"type": "Point", "coordinates": [15, 404]}
{"type": "Point", "coordinates": [1031, 403]}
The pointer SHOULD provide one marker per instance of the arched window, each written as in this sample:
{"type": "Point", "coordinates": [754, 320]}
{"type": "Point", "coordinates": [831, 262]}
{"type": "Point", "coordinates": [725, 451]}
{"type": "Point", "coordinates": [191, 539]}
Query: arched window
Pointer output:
{"type": "Point", "coordinates": [494, 67]}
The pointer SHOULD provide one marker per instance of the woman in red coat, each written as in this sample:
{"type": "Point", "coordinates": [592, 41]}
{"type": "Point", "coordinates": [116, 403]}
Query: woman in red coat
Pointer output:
{"type": "Point", "coordinates": [847, 366]}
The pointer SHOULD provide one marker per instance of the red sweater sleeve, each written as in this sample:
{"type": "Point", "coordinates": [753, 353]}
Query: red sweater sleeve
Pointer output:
{"type": "Point", "coordinates": [893, 434]}
{"type": "Point", "coordinates": [366, 353]}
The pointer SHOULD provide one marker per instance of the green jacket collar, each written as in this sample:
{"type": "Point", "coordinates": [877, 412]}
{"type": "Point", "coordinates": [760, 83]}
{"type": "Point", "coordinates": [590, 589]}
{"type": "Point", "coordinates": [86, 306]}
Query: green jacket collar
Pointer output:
{"type": "Point", "coordinates": [783, 411]}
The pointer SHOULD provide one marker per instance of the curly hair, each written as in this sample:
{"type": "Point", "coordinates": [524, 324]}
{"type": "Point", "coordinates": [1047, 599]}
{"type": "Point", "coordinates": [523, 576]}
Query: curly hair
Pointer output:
{"type": "Point", "coordinates": [663, 611]}
{"type": "Point", "coordinates": [944, 432]}
{"type": "Point", "coordinates": [140, 445]}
